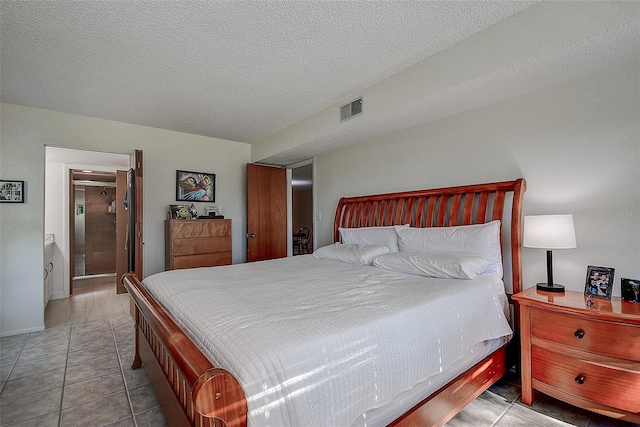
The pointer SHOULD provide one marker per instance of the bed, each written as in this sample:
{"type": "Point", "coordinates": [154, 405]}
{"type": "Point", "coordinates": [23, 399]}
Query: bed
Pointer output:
{"type": "Point", "coordinates": [217, 362]}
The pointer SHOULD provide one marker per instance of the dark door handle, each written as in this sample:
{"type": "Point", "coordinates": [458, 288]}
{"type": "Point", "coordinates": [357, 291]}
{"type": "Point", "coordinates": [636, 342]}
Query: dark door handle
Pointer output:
{"type": "Point", "coordinates": [251, 235]}
{"type": "Point", "coordinates": [579, 334]}
{"type": "Point", "coordinates": [580, 379]}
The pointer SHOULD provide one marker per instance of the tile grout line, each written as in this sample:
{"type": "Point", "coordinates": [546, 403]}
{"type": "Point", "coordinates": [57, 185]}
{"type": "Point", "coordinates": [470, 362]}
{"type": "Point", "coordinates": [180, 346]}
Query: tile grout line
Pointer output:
{"type": "Point", "coordinates": [13, 365]}
{"type": "Point", "coordinates": [110, 394]}
{"type": "Point", "coordinates": [64, 378]}
{"type": "Point", "coordinates": [497, 420]}
{"type": "Point", "coordinates": [124, 379]}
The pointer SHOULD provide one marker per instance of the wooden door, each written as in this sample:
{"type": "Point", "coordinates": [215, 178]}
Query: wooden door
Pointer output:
{"type": "Point", "coordinates": [121, 230]}
{"type": "Point", "coordinates": [266, 212]}
{"type": "Point", "coordinates": [134, 202]}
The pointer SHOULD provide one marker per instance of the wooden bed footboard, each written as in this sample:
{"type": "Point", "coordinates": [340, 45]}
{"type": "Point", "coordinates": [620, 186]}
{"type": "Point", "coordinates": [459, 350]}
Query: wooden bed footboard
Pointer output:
{"type": "Point", "coordinates": [190, 389]}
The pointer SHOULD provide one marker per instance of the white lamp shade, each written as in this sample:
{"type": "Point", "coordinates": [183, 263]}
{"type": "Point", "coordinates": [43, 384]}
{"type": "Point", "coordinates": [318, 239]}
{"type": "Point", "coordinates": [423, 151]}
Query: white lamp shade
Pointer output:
{"type": "Point", "coordinates": [549, 232]}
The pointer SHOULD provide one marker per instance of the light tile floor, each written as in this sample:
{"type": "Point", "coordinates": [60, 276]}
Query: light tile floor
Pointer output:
{"type": "Point", "coordinates": [77, 373]}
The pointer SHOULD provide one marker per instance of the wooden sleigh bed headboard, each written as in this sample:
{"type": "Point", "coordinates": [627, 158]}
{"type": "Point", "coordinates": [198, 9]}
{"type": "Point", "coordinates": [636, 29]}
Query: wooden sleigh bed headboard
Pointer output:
{"type": "Point", "coordinates": [445, 207]}
{"type": "Point", "coordinates": [194, 392]}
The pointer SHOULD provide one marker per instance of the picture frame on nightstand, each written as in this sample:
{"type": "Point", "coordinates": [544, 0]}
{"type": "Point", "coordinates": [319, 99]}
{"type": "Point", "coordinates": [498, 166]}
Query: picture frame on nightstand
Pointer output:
{"type": "Point", "coordinates": [599, 283]}
{"type": "Point", "coordinates": [630, 290]}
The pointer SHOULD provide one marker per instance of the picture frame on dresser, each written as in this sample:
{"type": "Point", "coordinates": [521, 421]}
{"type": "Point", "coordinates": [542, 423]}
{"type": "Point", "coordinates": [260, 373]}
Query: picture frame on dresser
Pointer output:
{"type": "Point", "coordinates": [630, 290]}
{"type": "Point", "coordinates": [179, 211]}
{"type": "Point", "coordinates": [195, 186]}
{"type": "Point", "coordinates": [599, 282]}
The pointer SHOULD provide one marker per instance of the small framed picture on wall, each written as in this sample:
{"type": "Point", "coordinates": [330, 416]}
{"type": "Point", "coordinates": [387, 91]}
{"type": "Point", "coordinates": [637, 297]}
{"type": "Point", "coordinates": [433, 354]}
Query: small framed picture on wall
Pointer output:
{"type": "Point", "coordinates": [599, 282]}
{"type": "Point", "coordinates": [11, 191]}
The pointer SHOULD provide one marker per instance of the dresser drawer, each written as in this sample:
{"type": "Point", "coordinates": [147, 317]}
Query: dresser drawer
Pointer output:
{"type": "Point", "coordinates": [202, 260]}
{"type": "Point", "coordinates": [601, 383]}
{"type": "Point", "coordinates": [608, 338]}
{"type": "Point", "coordinates": [201, 245]}
{"type": "Point", "coordinates": [200, 228]}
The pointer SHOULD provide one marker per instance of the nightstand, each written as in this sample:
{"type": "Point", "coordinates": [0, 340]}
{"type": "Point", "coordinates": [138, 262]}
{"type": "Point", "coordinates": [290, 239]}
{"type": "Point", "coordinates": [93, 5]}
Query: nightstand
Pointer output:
{"type": "Point", "coordinates": [587, 357]}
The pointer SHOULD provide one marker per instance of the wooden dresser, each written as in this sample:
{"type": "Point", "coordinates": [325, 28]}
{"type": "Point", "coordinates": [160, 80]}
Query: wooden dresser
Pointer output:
{"type": "Point", "coordinates": [197, 243]}
{"type": "Point", "coordinates": [588, 357]}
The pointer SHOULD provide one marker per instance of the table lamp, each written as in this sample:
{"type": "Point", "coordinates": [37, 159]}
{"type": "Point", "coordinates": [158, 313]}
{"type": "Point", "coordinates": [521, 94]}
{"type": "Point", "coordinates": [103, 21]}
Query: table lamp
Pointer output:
{"type": "Point", "coordinates": [549, 232]}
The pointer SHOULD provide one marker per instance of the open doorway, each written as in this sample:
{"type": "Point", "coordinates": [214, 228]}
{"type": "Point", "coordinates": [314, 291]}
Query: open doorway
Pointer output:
{"type": "Point", "coordinates": [62, 207]}
{"type": "Point", "coordinates": [302, 208]}
{"type": "Point", "coordinates": [93, 228]}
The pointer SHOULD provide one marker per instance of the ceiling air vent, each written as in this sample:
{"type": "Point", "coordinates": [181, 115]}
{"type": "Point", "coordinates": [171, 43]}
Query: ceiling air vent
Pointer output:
{"type": "Point", "coordinates": [351, 109]}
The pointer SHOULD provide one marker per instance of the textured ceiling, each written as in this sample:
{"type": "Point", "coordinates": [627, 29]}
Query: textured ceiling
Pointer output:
{"type": "Point", "coordinates": [258, 71]}
{"type": "Point", "coordinates": [234, 70]}
{"type": "Point", "coordinates": [597, 52]}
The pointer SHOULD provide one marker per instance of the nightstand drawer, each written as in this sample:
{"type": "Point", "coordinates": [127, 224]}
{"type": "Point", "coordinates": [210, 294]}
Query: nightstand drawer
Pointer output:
{"type": "Point", "coordinates": [600, 383]}
{"type": "Point", "coordinates": [612, 339]}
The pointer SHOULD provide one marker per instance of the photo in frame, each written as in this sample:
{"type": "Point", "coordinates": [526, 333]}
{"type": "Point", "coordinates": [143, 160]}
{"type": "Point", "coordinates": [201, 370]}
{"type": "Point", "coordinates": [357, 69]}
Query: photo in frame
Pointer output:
{"type": "Point", "coordinates": [180, 211]}
{"type": "Point", "coordinates": [11, 191]}
{"type": "Point", "coordinates": [599, 283]}
{"type": "Point", "coordinates": [195, 186]}
{"type": "Point", "coordinates": [630, 290]}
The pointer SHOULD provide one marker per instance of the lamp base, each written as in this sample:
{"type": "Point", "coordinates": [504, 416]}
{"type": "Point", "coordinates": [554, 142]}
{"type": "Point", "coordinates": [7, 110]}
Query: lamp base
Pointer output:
{"type": "Point", "coordinates": [549, 288]}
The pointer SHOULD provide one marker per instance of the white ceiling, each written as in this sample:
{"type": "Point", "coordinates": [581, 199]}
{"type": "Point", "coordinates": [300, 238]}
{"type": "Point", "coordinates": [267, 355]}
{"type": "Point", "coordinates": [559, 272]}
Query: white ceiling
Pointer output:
{"type": "Point", "coordinates": [233, 70]}
{"type": "Point", "coordinates": [244, 71]}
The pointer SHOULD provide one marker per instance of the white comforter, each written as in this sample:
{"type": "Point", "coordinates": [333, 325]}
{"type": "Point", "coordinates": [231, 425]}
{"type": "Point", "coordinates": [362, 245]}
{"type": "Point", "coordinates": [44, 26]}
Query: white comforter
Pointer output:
{"type": "Point", "coordinates": [316, 342]}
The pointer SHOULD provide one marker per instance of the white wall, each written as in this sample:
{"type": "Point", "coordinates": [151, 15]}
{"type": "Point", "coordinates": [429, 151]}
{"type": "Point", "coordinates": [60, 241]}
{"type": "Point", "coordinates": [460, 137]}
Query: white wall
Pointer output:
{"type": "Point", "coordinates": [25, 133]}
{"type": "Point", "coordinates": [577, 145]}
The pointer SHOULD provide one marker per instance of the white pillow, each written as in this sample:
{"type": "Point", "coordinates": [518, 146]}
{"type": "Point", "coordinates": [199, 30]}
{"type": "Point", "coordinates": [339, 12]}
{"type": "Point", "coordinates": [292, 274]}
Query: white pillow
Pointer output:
{"type": "Point", "coordinates": [368, 236]}
{"type": "Point", "coordinates": [433, 265]}
{"type": "Point", "coordinates": [352, 254]}
{"type": "Point", "coordinates": [479, 239]}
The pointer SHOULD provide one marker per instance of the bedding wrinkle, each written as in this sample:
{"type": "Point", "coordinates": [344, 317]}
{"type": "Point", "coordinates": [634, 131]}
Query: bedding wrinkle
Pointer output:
{"type": "Point", "coordinates": [338, 343]}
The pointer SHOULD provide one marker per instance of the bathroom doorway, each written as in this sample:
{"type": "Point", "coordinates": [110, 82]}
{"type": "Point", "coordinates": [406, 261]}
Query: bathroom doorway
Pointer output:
{"type": "Point", "coordinates": [93, 236]}
{"type": "Point", "coordinates": [62, 207]}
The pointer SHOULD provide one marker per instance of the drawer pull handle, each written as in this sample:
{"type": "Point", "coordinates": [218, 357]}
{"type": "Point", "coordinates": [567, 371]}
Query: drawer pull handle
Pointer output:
{"type": "Point", "coordinates": [579, 334]}
{"type": "Point", "coordinates": [580, 379]}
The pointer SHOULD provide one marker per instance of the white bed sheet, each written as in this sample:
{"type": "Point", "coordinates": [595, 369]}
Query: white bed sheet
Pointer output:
{"type": "Point", "coordinates": [319, 342]}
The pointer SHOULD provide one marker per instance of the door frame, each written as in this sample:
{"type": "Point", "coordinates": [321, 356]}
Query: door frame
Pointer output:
{"type": "Point", "coordinates": [136, 162]}
{"type": "Point", "coordinates": [290, 230]}
{"type": "Point", "coordinates": [121, 229]}
{"type": "Point", "coordinates": [77, 161]}
{"type": "Point", "coordinates": [100, 178]}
